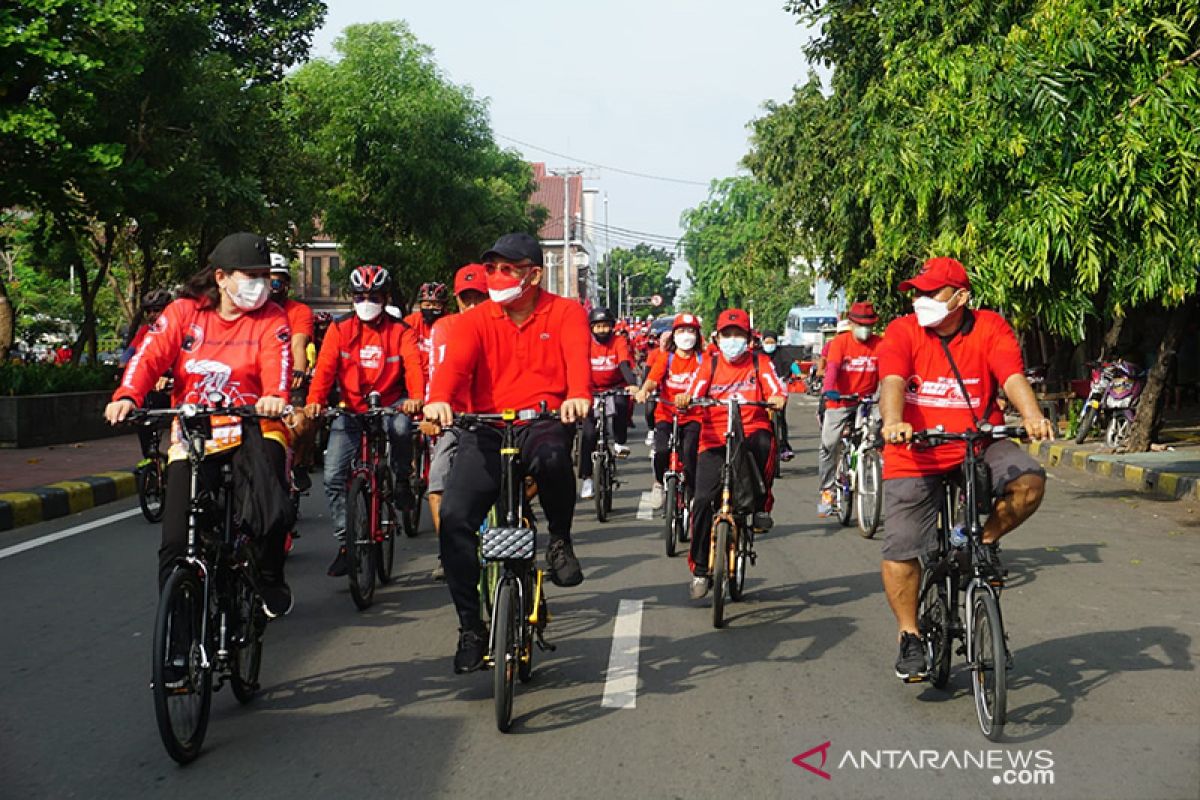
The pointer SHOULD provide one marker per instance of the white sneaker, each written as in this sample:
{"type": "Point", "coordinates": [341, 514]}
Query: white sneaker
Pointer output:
{"type": "Point", "coordinates": [650, 438]}
{"type": "Point", "coordinates": [699, 587]}
{"type": "Point", "coordinates": [656, 496]}
{"type": "Point", "coordinates": [588, 490]}
{"type": "Point", "coordinates": [621, 450]}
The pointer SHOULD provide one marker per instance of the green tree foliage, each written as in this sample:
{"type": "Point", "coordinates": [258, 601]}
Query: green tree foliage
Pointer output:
{"type": "Point", "coordinates": [413, 178]}
{"type": "Point", "coordinates": [646, 268]}
{"type": "Point", "coordinates": [739, 255]}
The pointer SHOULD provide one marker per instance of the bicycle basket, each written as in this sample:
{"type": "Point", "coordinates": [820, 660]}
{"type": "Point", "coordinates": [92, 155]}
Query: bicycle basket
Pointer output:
{"type": "Point", "coordinates": [507, 544]}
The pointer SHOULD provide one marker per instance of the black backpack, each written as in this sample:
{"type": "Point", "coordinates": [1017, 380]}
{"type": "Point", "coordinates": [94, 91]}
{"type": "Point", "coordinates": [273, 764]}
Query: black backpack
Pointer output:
{"type": "Point", "coordinates": [262, 503]}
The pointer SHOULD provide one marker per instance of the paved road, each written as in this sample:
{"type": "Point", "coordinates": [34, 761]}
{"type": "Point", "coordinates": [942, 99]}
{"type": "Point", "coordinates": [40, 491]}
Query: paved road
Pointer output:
{"type": "Point", "coordinates": [1101, 608]}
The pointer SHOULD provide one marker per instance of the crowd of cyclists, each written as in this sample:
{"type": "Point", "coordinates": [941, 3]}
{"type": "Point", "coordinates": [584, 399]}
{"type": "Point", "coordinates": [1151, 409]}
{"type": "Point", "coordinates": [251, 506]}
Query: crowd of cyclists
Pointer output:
{"type": "Point", "coordinates": [494, 340]}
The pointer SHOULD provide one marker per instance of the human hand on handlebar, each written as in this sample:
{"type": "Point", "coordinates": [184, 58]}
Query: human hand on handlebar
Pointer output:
{"type": "Point", "coordinates": [411, 406]}
{"type": "Point", "coordinates": [682, 401]}
{"type": "Point", "coordinates": [441, 413]}
{"type": "Point", "coordinates": [898, 433]}
{"type": "Point", "coordinates": [574, 409]}
{"type": "Point", "coordinates": [118, 410]}
{"type": "Point", "coordinates": [270, 406]}
{"type": "Point", "coordinates": [1039, 428]}
{"type": "Point", "coordinates": [312, 410]}
{"type": "Point", "coordinates": [778, 402]}
{"type": "Point", "coordinates": [429, 428]}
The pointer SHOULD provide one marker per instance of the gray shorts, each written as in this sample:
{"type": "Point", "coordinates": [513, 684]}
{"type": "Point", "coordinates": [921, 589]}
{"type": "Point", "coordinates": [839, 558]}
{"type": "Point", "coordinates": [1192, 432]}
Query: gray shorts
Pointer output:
{"type": "Point", "coordinates": [911, 504]}
{"type": "Point", "coordinates": [442, 460]}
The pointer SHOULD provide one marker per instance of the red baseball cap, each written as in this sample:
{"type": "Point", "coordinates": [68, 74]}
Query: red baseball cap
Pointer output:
{"type": "Point", "coordinates": [733, 317]}
{"type": "Point", "coordinates": [472, 276]}
{"type": "Point", "coordinates": [686, 321]}
{"type": "Point", "coordinates": [863, 314]}
{"type": "Point", "coordinates": [936, 273]}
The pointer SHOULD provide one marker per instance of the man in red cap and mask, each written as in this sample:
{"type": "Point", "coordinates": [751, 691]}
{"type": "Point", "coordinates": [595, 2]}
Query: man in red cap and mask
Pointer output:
{"type": "Point", "coordinates": [944, 364]}
{"type": "Point", "coordinates": [851, 368]}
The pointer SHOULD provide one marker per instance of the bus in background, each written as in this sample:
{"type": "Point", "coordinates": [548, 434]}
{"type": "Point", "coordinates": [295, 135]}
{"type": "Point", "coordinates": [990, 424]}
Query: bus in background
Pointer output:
{"type": "Point", "coordinates": [807, 326]}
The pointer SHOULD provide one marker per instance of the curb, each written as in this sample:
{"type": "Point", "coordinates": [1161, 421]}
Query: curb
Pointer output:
{"type": "Point", "coordinates": [1168, 485]}
{"type": "Point", "coordinates": [64, 497]}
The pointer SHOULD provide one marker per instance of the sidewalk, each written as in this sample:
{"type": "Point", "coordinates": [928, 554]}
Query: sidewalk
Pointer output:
{"type": "Point", "coordinates": [1173, 474]}
{"type": "Point", "coordinates": [40, 483]}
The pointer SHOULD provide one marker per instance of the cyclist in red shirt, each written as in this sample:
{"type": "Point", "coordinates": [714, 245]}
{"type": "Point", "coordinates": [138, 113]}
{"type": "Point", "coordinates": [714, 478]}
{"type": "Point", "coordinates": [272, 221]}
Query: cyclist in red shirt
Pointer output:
{"type": "Point", "coordinates": [612, 368]}
{"type": "Point", "coordinates": [431, 306]}
{"type": "Point", "coordinates": [300, 320]}
{"type": "Point", "coordinates": [672, 371]}
{"type": "Point", "coordinates": [748, 375]}
{"type": "Point", "coordinates": [367, 351]}
{"type": "Point", "coordinates": [523, 347]}
{"type": "Point", "coordinates": [920, 390]}
{"type": "Point", "coordinates": [851, 367]}
{"type": "Point", "coordinates": [153, 303]}
{"type": "Point", "coordinates": [221, 336]}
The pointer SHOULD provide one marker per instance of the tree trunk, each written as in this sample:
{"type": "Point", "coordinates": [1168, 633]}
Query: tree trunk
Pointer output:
{"type": "Point", "coordinates": [89, 288]}
{"type": "Point", "coordinates": [8, 323]}
{"type": "Point", "coordinates": [1150, 407]}
{"type": "Point", "coordinates": [1112, 336]}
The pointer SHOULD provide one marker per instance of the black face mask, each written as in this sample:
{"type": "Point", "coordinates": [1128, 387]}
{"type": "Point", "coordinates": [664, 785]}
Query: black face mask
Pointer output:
{"type": "Point", "coordinates": [430, 315]}
{"type": "Point", "coordinates": [603, 338]}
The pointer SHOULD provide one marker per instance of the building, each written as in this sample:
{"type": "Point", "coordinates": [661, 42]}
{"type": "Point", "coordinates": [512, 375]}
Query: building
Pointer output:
{"type": "Point", "coordinates": [318, 259]}
{"type": "Point", "coordinates": [578, 278]}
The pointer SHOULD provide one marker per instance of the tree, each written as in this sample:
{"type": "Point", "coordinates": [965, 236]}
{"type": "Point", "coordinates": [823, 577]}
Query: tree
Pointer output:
{"type": "Point", "coordinates": [412, 176]}
{"type": "Point", "coordinates": [646, 268]}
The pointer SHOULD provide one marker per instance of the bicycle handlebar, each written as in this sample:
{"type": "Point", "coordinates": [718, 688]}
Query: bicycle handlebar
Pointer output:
{"type": "Point", "coordinates": [524, 415]}
{"type": "Point", "coordinates": [339, 411]}
{"type": "Point", "coordinates": [940, 435]}
{"type": "Point", "coordinates": [193, 411]}
{"type": "Point", "coordinates": [708, 402]}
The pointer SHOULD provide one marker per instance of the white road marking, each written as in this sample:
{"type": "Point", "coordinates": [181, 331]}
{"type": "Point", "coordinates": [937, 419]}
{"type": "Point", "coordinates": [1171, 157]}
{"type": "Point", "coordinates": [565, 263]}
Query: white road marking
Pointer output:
{"type": "Point", "coordinates": [620, 686]}
{"type": "Point", "coordinates": [69, 532]}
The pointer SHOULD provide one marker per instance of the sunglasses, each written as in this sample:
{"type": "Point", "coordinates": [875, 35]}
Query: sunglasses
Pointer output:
{"type": "Point", "coordinates": [507, 270]}
{"type": "Point", "coordinates": [360, 297]}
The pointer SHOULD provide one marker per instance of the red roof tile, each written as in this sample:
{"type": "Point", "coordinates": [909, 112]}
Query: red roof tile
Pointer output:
{"type": "Point", "coordinates": [549, 193]}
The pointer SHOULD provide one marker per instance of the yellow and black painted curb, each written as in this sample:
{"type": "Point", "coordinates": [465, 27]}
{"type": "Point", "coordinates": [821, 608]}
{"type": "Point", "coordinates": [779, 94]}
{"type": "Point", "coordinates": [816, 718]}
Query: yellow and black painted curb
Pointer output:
{"type": "Point", "coordinates": [65, 497]}
{"type": "Point", "coordinates": [1168, 485]}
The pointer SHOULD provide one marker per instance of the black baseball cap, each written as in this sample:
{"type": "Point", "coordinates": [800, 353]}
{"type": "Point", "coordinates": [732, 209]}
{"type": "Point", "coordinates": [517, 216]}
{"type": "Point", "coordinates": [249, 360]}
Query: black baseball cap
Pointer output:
{"type": "Point", "coordinates": [241, 251]}
{"type": "Point", "coordinates": [515, 247]}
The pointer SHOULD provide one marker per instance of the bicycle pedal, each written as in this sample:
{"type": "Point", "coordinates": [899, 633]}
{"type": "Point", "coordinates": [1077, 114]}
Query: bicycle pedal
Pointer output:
{"type": "Point", "coordinates": [916, 679]}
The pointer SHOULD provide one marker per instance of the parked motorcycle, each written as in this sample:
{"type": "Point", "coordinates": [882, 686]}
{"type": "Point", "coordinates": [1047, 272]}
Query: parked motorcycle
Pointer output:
{"type": "Point", "coordinates": [1112, 401]}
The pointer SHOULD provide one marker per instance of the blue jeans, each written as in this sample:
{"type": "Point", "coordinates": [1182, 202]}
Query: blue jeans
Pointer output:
{"type": "Point", "coordinates": [344, 436]}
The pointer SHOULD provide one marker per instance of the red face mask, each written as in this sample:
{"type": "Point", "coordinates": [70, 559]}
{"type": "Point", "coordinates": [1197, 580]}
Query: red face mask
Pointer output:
{"type": "Point", "coordinates": [504, 289]}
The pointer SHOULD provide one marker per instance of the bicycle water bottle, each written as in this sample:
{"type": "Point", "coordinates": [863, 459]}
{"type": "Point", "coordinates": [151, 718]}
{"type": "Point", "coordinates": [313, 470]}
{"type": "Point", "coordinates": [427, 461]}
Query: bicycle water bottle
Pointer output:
{"type": "Point", "coordinates": [958, 536]}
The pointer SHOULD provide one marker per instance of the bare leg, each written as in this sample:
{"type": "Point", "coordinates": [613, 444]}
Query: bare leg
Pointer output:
{"type": "Point", "coordinates": [435, 510]}
{"type": "Point", "coordinates": [1022, 498]}
{"type": "Point", "coordinates": [901, 582]}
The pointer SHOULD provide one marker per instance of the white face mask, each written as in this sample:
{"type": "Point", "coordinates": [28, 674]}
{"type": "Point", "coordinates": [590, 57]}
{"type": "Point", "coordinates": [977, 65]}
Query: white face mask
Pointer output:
{"type": "Point", "coordinates": [930, 312]}
{"type": "Point", "coordinates": [732, 347]}
{"type": "Point", "coordinates": [251, 293]}
{"type": "Point", "coordinates": [684, 340]}
{"type": "Point", "coordinates": [769, 348]}
{"type": "Point", "coordinates": [368, 311]}
{"type": "Point", "coordinates": [863, 332]}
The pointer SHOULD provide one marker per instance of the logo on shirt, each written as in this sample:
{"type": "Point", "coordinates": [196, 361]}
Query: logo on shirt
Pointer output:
{"type": "Point", "coordinates": [861, 364]}
{"type": "Point", "coordinates": [941, 393]}
{"type": "Point", "coordinates": [370, 356]}
{"type": "Point", "coordinates": [214, 379]}
{"type": "Point", "coordinates": [606, 363]}
{"type": "Point", "coordinates": [283, 333]}
{"type": "Point", "coordinates": [159, 325]}
{"type": "Point", "coordinates": [193, 339]}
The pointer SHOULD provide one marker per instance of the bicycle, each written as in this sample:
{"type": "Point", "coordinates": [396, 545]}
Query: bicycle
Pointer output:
{"type": "Point", "coordinates": [731, 546]}
{"type": "Point", "coordinates": [151, 473]}
{"type": "Point", "coordinates": [418, 483]}
{"type": "Point", "coordinates": [604, 460]}
{"type": "Point", "coordinates": [370, 503]}
{"type": "Point", "coordinates": [959, 597]}
{"type": "Point", "coordinates": [676, 492]}
{"type": "Point", "coordinates": [518, 610]}
{"type": "Point", "coordinates": [858, 480]}
{"type": "Point", "coordinates": [210, 619]}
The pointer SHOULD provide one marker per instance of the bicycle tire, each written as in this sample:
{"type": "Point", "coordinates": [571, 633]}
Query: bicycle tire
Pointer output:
{"type": "Point", "coordinates": [248, 643]}
{"type": "Point", "coordinates": [845, 494]}
{"type": "Point", "coordinates": [385, 549]}
{"type": "Point", "coordinates": [151, 495]}
{"type": "Point", "coordinates": [870, 503]}
{"type": "Point", "coordinates": [741, 563]}
{"type": "Point", "coordinates": [183, 723]}
{"type": "Point", "coordinates": [525, 640]}
{"type": "Point", "coordinates": [720, 572]}
{"type": "Point", "coordinates": [599, 485]}
{"type": "Point", "coordinates": [360, 548]}
{"type": "Point", "coordinates": [989, 666]}
{"type": "Point", "coordinates": [1086, 421]}
{"type": "Point", "coordinates": [933, 621]}
{"type": "Point", "coordinates": [670, 501]}
{"type": "Point", "coordinates": [505, 657]}
{"type": "Point", "coordinates": [611, 487]}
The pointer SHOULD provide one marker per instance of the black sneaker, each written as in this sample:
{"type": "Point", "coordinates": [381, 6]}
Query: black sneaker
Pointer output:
{"type": "Point", "coordinates": [277, 598]}
{"type": "Point", "coordinates": [404, 494]}
{"type": "Point", "coordinates": [991, 557]}
{"type": "Point", "coordinates": [762, 521]}
{"type": "Point", "coordinates": [564, 566]}
{"type": "Point", "coordinates": [471, 647]}
{"type": "Point", "coordinates": [339, 568]}
{"type": "Point", "coordinates": [911, 666]}
{"type": "Point", "coordinates": [300, 479]}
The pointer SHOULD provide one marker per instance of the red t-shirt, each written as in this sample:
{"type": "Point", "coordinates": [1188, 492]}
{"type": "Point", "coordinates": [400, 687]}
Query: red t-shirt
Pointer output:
{"type": "Point", "coordinates": [734, 378]}
{"type": "Point", "coordinates": [854, 366]}
{"type": "Point", "coordinates": [424, 333]}
{"type": "Point", "coordinates": [504, 366]}
{"type": "Point", "coordinates": [606, 361]}
{"type": "Point", "coordinates": [987, 355]}
{"type": "Point", "coordinates": [300, 317]}
{"type": "Point", "coordinates": [674, 373]}
{"type": "Point", "coordinates": [443, 331]}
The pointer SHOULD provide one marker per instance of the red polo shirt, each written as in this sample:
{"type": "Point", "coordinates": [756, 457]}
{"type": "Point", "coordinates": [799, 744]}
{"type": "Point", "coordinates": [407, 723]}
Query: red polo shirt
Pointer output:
{"type": "Point", "coordinates": [853, 366]}
{"type": "Point", "coordinates": [987, 355]}
{"type": "Point", "coordinates": [674, 373]}
{"type": "Point", "coordinates": [606, 361]}
{"type": "Point", "coordinates": [505, 366]}
{"type": "Point", "coordinates": [734, 378]}
{"type": "Point", "coordinates": [442, 333]}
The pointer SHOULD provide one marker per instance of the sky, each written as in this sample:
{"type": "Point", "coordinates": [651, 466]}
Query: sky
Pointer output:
{"type": "Point", "coordinates": [661, 87]}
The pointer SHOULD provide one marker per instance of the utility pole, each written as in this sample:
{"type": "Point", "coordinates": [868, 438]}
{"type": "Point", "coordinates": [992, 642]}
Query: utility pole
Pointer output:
{"type": "Point", "coordinates": [607, 258]}
{"type": "Point", "coordinates": [566, 173]}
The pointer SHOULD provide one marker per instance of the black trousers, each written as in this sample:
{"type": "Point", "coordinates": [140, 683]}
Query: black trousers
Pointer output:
{"type": "Point", "coordinates": [689, 441]}
{"type": "Point", "coordinates": [784, 441]}
{"type": "Point", "coordinates": [620, 433]}
{"type": "Point", "coordinates": [708, 492]}
{"type": "Point", "coordinates": [175, 515]}
{"type": "Point", "coordinates": [474, 485]}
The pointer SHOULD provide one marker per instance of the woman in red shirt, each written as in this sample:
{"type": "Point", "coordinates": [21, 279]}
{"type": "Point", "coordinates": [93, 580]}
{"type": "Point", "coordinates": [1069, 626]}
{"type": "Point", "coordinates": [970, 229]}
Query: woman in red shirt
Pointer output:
{"type": "Point", "coordinates": [672, 371]}
{"type": "Point", "coordinates": [612, 367]}
{"type": "Point", "coordinates": [221, 336]}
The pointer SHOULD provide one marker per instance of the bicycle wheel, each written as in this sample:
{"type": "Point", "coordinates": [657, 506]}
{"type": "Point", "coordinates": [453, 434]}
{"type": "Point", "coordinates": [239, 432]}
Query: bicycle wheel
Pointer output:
{"type": "Point", "coordinates": [741, 563]}
{"type": "Point", "coordinates": [525, 640]}
{"type": "Point", "coordinates": [845, 494]}
{"type": "Point", "coordinates": [180, 709]}
{"type": "Point", "coordinates": [505, 656]}
{"type": "Point", "coordinates": [385, 550]}
{"type": "Point", "coordinates": [150, 489]}
{"type": "Point", "coordinates": [611, 488]}
{"type": "Point", "coordinates": [247, 640]}
{"type": "Point", "coordinates": [933, 621]}
{"type": "Point", "coordinates": [870, 492]}
{"type": "Point", "coordinates": [360, 548]}
{"type": "Point", "coordinates": [720, 572]}
{"type": "Point", "coordinates": [599, 487]}
{"type": "Point", "coordinates": [989, 666]}
{"type": "Point", "coordinates": [670, 501]}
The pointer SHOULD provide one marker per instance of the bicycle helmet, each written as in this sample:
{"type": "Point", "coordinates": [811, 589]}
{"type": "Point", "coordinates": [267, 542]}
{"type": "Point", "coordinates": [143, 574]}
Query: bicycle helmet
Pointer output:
{"type": "Point", "coordinates": [601, 314]}
{"type": "Point", "coordinates": [370, 278]}
{"type": "Point", "coordinates": [433, 293]}
{"type": "Point", "coordinates": [156, 300]}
